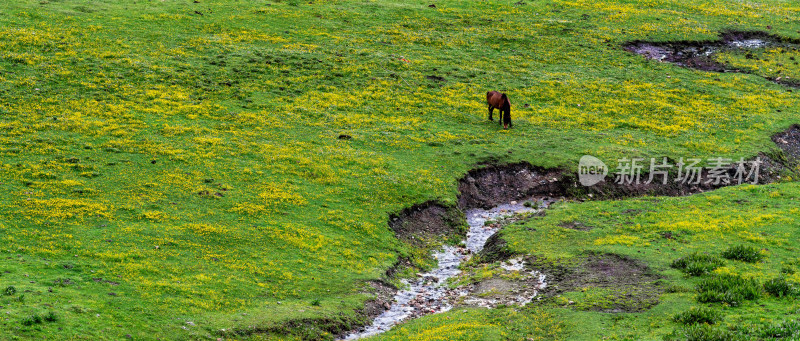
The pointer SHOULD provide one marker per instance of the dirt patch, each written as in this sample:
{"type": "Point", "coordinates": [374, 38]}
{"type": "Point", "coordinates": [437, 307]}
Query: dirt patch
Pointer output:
{"type": "Point", "coordinates": [789, 142]}
{"type": "Point", "coordinates": [625, 284]}
{"type": "Point", "coordinates": [575, 225]}
{"type": "Point", "coordinates": [512, 285]}
{"type": "Point", "coordinates": [429, 220]}
{"type": "Point", "coordinates": [495, 249]}
{"type": "Point", "coordinates": [700, 54]}
{"type": "Point", "coordinates": [496, 184]}
{"type": "Point", "coordinates": [498, 291]}
{"type": "Point", "coordinates": [384, 293]}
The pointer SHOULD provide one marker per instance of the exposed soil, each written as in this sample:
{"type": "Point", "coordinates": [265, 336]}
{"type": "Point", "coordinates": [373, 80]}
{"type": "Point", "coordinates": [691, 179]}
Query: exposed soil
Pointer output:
{"type": "Point", "coordinates": [495, 250]}
{"type": "Point", "coordinates": [631, 284]}
{"type": "Point", "coordinates": [492, 185]}
{"type": "Point", "coordinates": [789, 142]}
{"type": "Point", "coordinates": [383, 298]}
{"type": "Point", "coordinates": [428, 220]}
{"type": "Point", "coordinates": [700, 54]}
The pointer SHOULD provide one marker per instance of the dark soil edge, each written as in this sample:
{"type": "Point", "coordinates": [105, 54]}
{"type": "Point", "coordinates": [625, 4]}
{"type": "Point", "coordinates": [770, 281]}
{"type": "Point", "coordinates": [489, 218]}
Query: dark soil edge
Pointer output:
{"type": "Point", "coordinates": [326, 328]}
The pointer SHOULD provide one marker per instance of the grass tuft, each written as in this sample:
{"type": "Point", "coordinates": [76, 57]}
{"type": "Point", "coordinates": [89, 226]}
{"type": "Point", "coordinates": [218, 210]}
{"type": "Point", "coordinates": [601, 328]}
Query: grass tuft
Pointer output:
{"type": "Point", "coordinates": [743, 253]}
{"type": "Point", "coordinates": [730, 289]}
{"type": "Point", "coordinates": [780, 287]}
{"type": "Point", "coordinates": [697, 264]}
{"type": "Point", "coordinates": [702, 332]}
{"type": "Point", "coordinates": [697, 315]}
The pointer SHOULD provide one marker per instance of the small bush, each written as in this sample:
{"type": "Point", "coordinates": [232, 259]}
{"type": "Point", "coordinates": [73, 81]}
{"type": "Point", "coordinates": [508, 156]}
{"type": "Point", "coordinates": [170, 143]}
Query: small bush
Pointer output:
{"type": "Point", "coordinates": [730, 289]}
{"type": "Point", "coordinates": [784, 330]}
{"type": "Point", "coordinates": [779, 287]}
{"type": "Point", "coordinates": [702, 332]}
{"type": "Point", "coordinates": [743, 253]}
{"type": "Point", "coordinates": [31, 320]}
{"type": "Point", "coordinates": [697, 264]}
{"type": "Point", "coordinates": [315, 303]}
{"type": "Point", "coordinates": [698, 315]}
{"type": "Point", "coordinates": [10, 290]}
{"type": "Point", "coordinates": [36, 319]}
{"type": "Point", "coordinates": [50, 317]}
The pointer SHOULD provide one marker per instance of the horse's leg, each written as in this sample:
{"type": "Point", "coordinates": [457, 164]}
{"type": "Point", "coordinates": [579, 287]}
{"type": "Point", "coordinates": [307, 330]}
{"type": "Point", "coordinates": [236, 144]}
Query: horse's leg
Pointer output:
{"type": "Point", "coordinates": [507, 119]}
{"type": "Point", "coordinates": [491, 111]}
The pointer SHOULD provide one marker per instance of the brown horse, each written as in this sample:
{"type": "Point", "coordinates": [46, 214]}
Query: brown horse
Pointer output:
{"type": "Point", "coordinates": [500, 101]}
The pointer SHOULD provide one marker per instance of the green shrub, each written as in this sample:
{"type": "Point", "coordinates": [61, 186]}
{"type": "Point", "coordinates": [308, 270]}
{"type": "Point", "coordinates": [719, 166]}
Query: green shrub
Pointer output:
{"type": "Point", "coordinates": [697, 264]}
{"type": "Point", "coordinates": [785, 330]}
{"type": "Point", "coordinates": [10, 290]}
{"type": "Point", "coordinates": [702, 332]}
{"type": "Point", "coordinates": [698, 315]}
{"type": "Point", "coordinates": [730, 289]}
{"type": "Point", "coordinates": [743, 253]}
{"type": "Point", "coordinates": [779, 287]}
{"type": "Point", "coordinates": [36, 319]}
{"type": "Point", "coordinates": [50, 317]}
{"type": "Point", "coordinates": [31, 320]}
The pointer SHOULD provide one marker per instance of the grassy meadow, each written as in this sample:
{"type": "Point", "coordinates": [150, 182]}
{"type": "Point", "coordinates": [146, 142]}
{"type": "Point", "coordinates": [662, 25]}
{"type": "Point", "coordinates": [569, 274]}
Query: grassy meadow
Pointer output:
{"type": "Point", "coordinates": [172, 169]}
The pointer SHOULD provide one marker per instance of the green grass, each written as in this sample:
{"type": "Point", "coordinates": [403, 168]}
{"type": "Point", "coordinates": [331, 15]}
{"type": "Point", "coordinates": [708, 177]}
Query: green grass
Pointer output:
{"type": "Point", "coordinates": [743, 253]}
{"type": "Point", "coordinates": [697, 264]}
{"type": "Point", "coordinates": [698, 315]}
{"type": "Point", "coordinates": [179, 162]}
{"type": "Point", "coordinates": [777, 63]}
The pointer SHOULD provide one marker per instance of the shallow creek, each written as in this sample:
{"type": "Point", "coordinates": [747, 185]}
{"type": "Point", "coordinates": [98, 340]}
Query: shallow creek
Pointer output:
{"type": "Point", "coordinates": [429, 294]}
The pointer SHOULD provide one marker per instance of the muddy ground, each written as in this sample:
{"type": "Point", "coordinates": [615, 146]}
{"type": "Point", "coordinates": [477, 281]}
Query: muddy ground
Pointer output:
{"type": "Point", "coordinates": [699, 54]}
{"type": "Point", "coordinates": [631, 285]}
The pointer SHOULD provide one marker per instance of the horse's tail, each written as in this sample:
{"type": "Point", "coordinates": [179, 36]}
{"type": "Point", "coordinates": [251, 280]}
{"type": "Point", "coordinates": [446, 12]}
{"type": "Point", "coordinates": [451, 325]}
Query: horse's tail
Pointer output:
{"type": "Point", "coordinates": [503, 96]}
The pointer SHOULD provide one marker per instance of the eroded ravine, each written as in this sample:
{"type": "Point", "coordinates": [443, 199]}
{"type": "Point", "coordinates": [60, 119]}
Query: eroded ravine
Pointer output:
{"type": "Point", "coordinates": [485, 189]}
{"type": "Point", "coordinates": [429, 294]}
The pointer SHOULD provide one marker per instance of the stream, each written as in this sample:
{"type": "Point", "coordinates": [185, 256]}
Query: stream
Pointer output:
{"type": "Point", "coordinates": [428, 294]}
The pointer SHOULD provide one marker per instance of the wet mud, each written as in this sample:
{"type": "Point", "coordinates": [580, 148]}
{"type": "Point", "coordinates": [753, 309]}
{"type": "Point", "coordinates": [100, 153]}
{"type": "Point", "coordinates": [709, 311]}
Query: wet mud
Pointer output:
{"type": "Point", "coordinates": [700, 54]}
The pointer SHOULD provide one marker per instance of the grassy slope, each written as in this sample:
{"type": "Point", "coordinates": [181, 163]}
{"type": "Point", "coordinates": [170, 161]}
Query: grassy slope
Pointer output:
{"type": "Point", "coordinates": [162, 108]}
{"type": "Point", "coordinates": [761, 216]}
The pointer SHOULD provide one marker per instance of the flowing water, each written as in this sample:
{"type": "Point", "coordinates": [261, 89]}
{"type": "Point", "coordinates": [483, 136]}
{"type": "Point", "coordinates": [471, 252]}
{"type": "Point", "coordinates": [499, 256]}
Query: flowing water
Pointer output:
{"type": "Point", "coordinates": [429, 293]}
